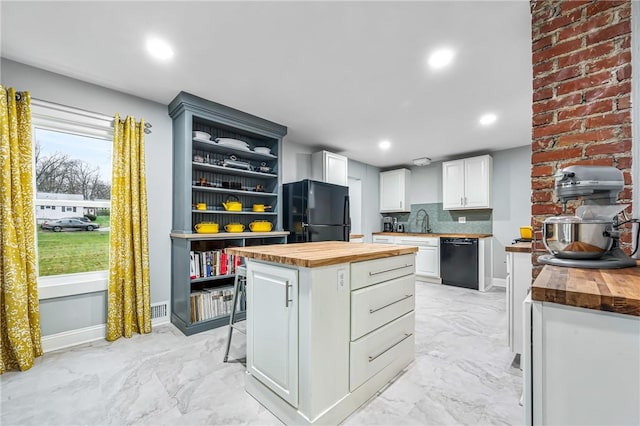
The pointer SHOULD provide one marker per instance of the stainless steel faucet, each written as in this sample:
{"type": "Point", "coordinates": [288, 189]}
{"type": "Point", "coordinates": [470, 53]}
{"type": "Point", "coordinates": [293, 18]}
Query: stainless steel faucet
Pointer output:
{"type": "Point", "coordinates": [424, 221]}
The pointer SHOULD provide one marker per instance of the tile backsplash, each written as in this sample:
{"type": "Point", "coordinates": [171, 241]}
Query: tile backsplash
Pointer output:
{"type": "Point", "coordinates": [445, 221]}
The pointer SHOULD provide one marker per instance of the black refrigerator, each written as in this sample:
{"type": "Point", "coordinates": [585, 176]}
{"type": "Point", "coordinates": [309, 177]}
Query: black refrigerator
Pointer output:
{"type": "Point", "coordinates": [316, 211]}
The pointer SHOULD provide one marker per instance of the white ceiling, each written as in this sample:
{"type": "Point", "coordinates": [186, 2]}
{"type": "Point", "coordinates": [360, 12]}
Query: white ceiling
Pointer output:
{"type": "Point", "coordinates": [339, 75]}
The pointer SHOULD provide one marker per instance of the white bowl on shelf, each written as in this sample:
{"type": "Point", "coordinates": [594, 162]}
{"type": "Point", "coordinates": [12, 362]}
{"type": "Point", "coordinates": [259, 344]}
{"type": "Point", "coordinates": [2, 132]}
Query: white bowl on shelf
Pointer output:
{"type": "Point", "coordinates": [201, 135]}
{"type": "Point", "coordinates": [233, 143]}
{"type": "Point", "coordinates": [262, 150]}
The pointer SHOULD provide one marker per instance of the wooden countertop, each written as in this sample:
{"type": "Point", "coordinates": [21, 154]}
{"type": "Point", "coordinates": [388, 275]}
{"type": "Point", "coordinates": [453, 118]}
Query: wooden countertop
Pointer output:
{"type": "Point", "coordinates": [310, 255]}
{"type": "Point", "coordinates": [611, 290]}
{"type": "Point", "coordinates": [418, 234]}
{"type": "Point", "coordinates": [356, 235]}
{"type": "Point", "coordinates": [519, 247]}
{"type": "Point", "coordinates": [228, 235]}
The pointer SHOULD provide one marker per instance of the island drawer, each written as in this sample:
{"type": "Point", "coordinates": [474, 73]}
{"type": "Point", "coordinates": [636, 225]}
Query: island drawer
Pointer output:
{"type": "Point", "coordinates": [376, 305]}
{"type": "Point", "coordinates": [371, 272]}
{"type": "Point", "coordinates": [376, 350]}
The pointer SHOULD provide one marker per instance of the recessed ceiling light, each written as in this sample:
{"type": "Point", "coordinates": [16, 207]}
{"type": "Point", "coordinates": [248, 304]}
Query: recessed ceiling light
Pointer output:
{"type": "Point", "coordinates": [441, 58]}
{"type": "Point", "coordinates": [159, 49]}
{"type": "Point", "coordinates": [488, 119]}
{"type": "Point", "coordinates": [384, 145]}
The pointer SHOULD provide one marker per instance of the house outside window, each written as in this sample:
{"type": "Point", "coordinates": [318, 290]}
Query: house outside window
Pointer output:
{"type": "Point", "coordinates": [72, 159]}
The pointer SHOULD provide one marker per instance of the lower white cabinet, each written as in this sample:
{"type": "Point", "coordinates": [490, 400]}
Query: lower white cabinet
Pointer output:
{"type": "Point", "coordinates": [518, 282]}
{"type": "Point", "coordinates": [427, 257]}
{"type": "Point", "coordinates": [272, 329]}
{"type": "Point", "coordinates": [321, 341]}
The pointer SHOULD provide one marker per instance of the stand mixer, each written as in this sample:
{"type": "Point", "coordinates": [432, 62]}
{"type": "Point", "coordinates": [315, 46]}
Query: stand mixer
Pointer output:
{"type": "Point", "coordinates": [591, 238]}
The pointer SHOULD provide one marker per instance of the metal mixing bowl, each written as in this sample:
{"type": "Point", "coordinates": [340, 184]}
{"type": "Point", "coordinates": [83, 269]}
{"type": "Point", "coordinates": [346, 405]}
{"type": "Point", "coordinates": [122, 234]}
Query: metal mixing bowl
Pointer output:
{"type": "Point", "coordinates": [570, 237]}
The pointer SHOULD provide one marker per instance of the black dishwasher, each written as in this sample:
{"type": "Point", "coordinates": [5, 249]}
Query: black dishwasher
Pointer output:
{"type": "Point", "coordinates": [459, 262]}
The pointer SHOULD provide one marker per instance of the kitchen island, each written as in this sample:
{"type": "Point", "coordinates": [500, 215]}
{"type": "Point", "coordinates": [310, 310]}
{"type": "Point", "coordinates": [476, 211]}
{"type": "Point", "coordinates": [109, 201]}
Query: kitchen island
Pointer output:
{"type": "Point", "coordinates": [328, 325]}
{"type": "Point", "coordinates": [582, 363]}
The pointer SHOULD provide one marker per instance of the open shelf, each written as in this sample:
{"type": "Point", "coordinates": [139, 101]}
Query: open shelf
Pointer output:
{"type": "Point", "coordinates": [224, 149]}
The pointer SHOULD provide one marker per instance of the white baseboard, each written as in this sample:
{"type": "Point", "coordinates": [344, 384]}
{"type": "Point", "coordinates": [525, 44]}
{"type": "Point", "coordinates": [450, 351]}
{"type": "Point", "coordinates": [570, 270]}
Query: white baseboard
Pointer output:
{"type": "Point", "coordinates": [66, 339]}
{"type": "Point", "coordinates": [500, 282]}
{"type": "Point", "coordinates": [69, 338]}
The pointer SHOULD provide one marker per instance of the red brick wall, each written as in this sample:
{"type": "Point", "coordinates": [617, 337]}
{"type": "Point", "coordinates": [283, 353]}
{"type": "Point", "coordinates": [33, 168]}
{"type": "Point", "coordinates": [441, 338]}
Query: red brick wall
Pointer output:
{"type": "Point", "coordinates": [581, 55]}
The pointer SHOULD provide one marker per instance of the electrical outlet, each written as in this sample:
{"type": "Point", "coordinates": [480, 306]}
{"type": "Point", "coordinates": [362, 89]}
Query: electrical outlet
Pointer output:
{"type": "Point", "coordinates": [462, 219]}
{"type": "Point", "coordinates": [341, 279]}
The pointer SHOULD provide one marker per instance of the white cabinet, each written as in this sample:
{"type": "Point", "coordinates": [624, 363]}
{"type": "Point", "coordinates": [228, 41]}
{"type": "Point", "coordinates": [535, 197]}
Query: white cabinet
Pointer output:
{"type": "Point", "coordinates": [395, 187]}
{"type": "Point", "coordinates": [427, 257]}
{"type": "Point", "coordinates": [272, 329]}
{"type": "Point", "coordinates": [518, 282]}
{"type": "Point", "coordinates": [582, 366]}
{"type": "Point", "coordinates": [329, 167]}
{"type": "Point", "coordinates": [466, 183]}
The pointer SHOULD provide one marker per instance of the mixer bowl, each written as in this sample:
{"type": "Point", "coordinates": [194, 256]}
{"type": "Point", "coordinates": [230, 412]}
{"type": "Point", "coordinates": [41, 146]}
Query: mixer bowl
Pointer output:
{"type": "Point", "coordinates": [570, 237]}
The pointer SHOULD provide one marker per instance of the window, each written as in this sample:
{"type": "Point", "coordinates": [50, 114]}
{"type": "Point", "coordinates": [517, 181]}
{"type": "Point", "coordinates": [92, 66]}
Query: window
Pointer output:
{"type": "Point", "coordinates": [72, 158]}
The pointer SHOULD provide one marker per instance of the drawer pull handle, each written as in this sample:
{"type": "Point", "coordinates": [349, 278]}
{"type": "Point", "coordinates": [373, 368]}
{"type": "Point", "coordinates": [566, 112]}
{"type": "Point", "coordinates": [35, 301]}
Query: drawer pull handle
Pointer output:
{"type": "Point", "coordinates": [389, 270]}
{"type": "Point", "coordinates": [405, 337]}
{"type": "Point", "coordinates": [406, 296]}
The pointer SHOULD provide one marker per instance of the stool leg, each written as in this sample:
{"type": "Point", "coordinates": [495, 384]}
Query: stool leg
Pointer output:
{"type": "Point", "coordinates": [232, 317]}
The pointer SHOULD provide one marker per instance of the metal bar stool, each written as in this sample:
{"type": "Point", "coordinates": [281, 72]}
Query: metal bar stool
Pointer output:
{"type": "Point", "coordinates": [239, 287]}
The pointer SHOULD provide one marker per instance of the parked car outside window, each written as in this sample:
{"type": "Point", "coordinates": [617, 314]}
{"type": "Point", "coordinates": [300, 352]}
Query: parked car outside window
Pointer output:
{"type": "Point", "coordinates": [69, 224]}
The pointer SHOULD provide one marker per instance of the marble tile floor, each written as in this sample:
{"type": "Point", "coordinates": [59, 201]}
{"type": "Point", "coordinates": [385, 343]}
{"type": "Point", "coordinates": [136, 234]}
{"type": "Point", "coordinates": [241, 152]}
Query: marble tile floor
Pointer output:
{"type": "Point", "coordinates": [462, 375]}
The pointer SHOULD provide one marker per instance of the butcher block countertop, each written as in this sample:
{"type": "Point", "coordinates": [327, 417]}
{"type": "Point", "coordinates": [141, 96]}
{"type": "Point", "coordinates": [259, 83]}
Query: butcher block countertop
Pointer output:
{"type": "Point", "coordinates": [418, 234]}
{"type": "Point", "coordinates": [519, 247]}
{"type": "Point", "coordinates": [310, 255]}
{"type": "Point", "coordinates": [611, 290]}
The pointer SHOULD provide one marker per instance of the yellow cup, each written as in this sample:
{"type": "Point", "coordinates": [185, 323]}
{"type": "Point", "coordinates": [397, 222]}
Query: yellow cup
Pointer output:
{"type": "Point", "coordinates": [201, 206]}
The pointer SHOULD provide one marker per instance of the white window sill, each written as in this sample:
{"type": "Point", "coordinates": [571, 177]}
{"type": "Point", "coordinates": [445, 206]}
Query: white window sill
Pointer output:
{"type": "Point", "coordinates": [72, 284]}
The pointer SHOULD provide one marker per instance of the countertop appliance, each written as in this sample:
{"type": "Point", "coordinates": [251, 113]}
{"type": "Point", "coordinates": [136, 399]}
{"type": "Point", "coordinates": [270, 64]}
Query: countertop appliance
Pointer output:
{"type": "Point", "coordinates": [387, 224]}
{"type": "Point", "coordinates": [316, 211]}
{"type": "Point", "coordinates": [590, 239]}
{"type": "Point", "coordinates": [459, 262]}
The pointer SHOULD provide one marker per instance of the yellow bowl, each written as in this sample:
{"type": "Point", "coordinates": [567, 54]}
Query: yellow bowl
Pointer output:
{"type": "Point", "coordinates": [234, 227]}
{"type": "Point", "coordinates": [526, 232]}
{"type": "Point", "coordinates": [260, 226]}
{"type": "Point", "coordinates": [207, 228]}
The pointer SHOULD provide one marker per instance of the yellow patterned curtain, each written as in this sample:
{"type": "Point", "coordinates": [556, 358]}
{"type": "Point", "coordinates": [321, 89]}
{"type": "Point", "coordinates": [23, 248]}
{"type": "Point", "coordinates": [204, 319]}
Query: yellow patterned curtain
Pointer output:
{"type": "Point", "coordinates": [129, 306]}
{"type": "Point", "coordinates": [19, 308]}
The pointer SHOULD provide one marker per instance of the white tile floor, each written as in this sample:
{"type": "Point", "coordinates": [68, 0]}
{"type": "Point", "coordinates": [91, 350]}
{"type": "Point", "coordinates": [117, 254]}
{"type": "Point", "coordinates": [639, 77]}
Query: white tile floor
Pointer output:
{"type": "Point", "coordinates": [462, 375]}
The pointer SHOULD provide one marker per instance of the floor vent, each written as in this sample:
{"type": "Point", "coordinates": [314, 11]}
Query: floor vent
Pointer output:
{"type": "Point", "coordinates": [159, 310]}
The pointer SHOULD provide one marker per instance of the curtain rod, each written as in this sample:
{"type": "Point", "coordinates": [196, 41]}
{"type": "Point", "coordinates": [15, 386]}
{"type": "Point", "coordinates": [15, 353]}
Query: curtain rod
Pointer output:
{"type": "Point", "coordinates": [147, 125]}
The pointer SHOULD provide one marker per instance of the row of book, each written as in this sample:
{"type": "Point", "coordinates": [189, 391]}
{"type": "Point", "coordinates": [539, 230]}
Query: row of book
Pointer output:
{"type": "Point", "coordinates": [210, 303]}
{"type": "Point", "coordinates": [212, 263]}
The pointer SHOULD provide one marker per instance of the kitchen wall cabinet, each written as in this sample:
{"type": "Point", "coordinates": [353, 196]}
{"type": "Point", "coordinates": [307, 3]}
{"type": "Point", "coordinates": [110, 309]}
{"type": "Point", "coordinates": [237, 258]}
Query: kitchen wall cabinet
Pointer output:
{"type": "Point", "coordinates": [272, 345]}
{"type": "Point", "coordinates": [395, 190]}
{"type": "Point", "coordinates": [208, 173]}
{"type": "Point", "coordinates": [466, 183]}
{"type": "Point", "coordinates": [518, 283]}
{"type": "Point", "coordinates": [329, 167]}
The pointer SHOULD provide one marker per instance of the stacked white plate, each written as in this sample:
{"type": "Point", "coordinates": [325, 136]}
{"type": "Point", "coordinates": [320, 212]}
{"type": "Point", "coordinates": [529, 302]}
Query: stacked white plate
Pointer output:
{"type": "Point", "coordinates": [233, 143]}
{"type": "Point", "coordinates": [201, 135]}
{"type": "Point", "coordinates": [262, 150]}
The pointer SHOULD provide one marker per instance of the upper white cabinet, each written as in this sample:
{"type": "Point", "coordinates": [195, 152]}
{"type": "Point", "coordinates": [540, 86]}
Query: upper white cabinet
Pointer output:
{"type": "Point", "coordinates": [395, 186]}
{"type": "Point", "coordinates": [466, 183]}
{"type": "Point", "coordinates": [329, 167]}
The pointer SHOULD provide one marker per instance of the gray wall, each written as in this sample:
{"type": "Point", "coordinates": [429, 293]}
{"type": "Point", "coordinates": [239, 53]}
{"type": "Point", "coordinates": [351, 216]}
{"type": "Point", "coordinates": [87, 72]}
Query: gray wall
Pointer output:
{"type": "Point", "coordinates": [296, 160]}
{"type": "Point", "coordinates": [511, 201]}
{"type": "Point", "coordinates": [370, 178]}
{"type": "Point", "coordinates": [63, 314]}
{"type": "Point", "coordinates": [511, 197]}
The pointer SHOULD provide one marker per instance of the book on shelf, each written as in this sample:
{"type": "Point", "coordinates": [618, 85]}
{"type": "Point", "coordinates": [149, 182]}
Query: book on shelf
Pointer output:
{"type": "Point", "coordinates": [212, 263]}
{"type": "Point", "coordinates": [211, 303]}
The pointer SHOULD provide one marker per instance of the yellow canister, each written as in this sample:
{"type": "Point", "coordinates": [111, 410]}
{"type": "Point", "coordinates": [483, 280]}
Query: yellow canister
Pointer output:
{"type": "Point", "coordinates": [234, 227]}
{"type": "Point", "coordinates": [526, 232]}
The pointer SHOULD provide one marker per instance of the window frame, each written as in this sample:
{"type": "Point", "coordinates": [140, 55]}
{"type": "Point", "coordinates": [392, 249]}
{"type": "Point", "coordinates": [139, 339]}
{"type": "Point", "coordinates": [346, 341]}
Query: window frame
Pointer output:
{"type": "Point", "coordinates": [60, 118]}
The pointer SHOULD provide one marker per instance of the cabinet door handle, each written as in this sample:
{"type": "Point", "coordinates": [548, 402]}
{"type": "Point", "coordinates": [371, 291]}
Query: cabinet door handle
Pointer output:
{"type": "Point", "coordinates": [405, 337]}
{"type": "Point", "coordinates": [406, 296]}
{"type": "Point", "coordinates": [286, 294]}
{"type": "Point", "coordinates": [389, 270]}
{"type": "Point", "coordinates": [462, 201]}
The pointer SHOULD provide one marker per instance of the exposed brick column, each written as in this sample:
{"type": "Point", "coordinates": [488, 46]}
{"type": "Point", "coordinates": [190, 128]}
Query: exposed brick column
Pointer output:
{"type": "Point", "coordinates": [581, 98]}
